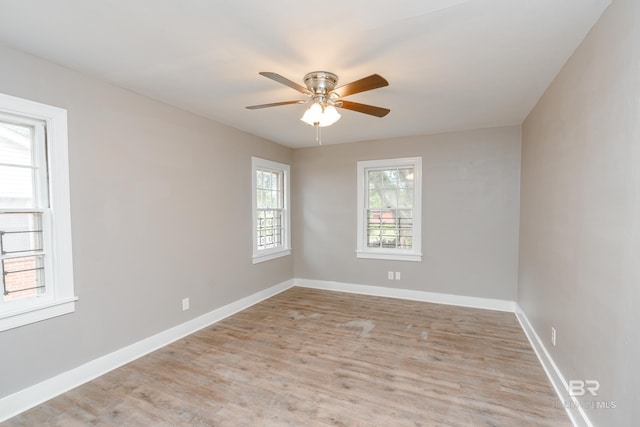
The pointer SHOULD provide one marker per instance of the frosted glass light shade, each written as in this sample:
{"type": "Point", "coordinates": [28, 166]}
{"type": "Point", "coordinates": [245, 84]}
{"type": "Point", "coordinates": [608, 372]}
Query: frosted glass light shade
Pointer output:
{"type": "Point", "coordinates": [322, 116]}
{"type": "Point", "coordinates": [330, 116]}
{"type": "Point", "coordinates": [313, 114]}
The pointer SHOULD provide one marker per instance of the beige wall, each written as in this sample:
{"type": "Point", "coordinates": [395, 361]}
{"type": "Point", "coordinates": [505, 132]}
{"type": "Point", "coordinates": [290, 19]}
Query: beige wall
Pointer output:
{"type": "Point", "coordinates": [580, 226]}
{"type": "Point", "coordinates": [470, 213]}
{"type": "Point", "coordinates": [161, 210]}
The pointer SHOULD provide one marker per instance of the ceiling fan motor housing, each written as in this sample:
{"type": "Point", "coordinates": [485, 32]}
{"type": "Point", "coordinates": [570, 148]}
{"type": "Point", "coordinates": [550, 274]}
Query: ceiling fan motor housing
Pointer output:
{"type": "Point", "coordinates": [320, 82]}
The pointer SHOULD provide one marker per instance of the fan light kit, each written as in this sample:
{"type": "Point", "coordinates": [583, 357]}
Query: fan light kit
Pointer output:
{"type": "Point", "coordinates": [324, 97]}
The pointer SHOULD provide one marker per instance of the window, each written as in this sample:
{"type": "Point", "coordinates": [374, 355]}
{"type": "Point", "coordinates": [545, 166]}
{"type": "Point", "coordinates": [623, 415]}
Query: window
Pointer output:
{"type": "Point", "coordinates": [36, 277]}
{"type": "Point", "coordinates": [271, 223]}
{"type": "Point", "coordinates": [389, 209]}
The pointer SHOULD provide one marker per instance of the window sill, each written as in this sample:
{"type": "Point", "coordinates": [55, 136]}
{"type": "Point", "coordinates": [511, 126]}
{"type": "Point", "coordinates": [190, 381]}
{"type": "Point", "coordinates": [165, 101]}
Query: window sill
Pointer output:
{"type": "Point", "coordinates": [36, 313]}
{"type": "Point", "coordinates": [389, 256]}
{"type": "Point", "coordinates": [271, 255]}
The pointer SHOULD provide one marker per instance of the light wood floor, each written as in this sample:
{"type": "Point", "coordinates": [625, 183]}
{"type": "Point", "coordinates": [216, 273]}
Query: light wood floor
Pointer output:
{"type": "Point", "coordinates": [316, 358]}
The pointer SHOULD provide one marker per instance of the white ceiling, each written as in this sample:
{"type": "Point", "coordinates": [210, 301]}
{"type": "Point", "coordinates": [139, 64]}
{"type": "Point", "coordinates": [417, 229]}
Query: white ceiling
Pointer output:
{"type": "Point", "coordinates": [451, 64]}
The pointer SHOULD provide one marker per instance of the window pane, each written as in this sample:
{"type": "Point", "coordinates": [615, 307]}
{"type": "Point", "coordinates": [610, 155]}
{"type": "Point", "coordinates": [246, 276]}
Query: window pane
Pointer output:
{"type": "Point", "coordinates": [20, 232]}
{"type": "Point", "coordinates": [268, 189]}
{"type": "Point", "coordinates": [405, 198]}
{"type": "Point", "coordinates": [270, 229]}
{"type": "Point", "coordinates": [390, 208]}
{"type": "Point", "coordinates": [15, 144]}
{"type": "Point", "coordinates": [16, 187]}
{"type": "Point", "coordinates": [266, 180]}
{"type": "Point", "coordinates": [390, 228]}
{"type": "Point", "coordinates": [373, 238]}
{"type": "Point", "coordinates": [405, 228]}
{"type": "Point", "coordinates": [405, 242]}
{"type": "Point", "coordinates": [20, 221]}
{"type": "Point", "coordinates": [381, 228]}
{"type": "Point", "coordinates": [23, 277]}
{"type": "Point", "coordinates": [405, 214]}
{"type": "Point", "coordinates": [392, 176]}
{"type": "Point", "coordinates": [375, 199]}
{"type": "Point", "coordinates": [388, 239]}
{"type": "Point", "coordinates": [265, 199]}
{"type": "Point", "coordinates": [374, 217]}
{"type": "Point", "coordinates": [374, 224]}
{"type": "Point", "coordinates": [374, 178]}
{"type": "Point", "coordinates": [268, 197]}
{"type": "Point", "coordinates": [258, 178]}
{"type": "Point", "coordinates": [390, 199]}
{"type": "Point", "coordinates": [406, 177]}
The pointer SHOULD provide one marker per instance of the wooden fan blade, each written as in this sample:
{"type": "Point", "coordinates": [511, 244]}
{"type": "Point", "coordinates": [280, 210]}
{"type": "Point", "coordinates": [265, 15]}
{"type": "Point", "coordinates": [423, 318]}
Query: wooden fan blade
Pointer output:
{"type": "Point", "coordinates": [275, 104]}
{"type": "Point", "coordinates": [374, 81]}
{"type": "Point", "coordinates": [363, 108]}
{"type": "Point", "coordinates": [285, 81]}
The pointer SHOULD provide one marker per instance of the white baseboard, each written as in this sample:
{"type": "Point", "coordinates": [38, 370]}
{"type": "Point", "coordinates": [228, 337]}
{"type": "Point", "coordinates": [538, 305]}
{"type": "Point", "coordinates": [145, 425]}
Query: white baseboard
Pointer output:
{"type": "Point", "coordinates": [28, 398]}
{"type": "Point", "coordinates": [438, 298]}
{"type": "Point", "coordinates": [23, 400]}
{"type": "Point", "coordinates": [576, 413]}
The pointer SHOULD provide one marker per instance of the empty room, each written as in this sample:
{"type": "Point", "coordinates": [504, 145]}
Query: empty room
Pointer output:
{"type": "Point", "coordinates": [356, 213]}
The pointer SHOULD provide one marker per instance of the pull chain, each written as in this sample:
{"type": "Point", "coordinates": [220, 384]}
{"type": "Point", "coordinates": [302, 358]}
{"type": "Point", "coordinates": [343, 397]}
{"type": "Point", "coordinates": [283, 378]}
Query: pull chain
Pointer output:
{"type": "Point", "coordinates": [318, 133]}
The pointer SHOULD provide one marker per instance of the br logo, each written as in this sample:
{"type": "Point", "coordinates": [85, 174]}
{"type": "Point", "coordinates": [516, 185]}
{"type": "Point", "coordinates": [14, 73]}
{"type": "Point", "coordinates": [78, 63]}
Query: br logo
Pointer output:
{"type": "Point", "coordinates": [580, 388]}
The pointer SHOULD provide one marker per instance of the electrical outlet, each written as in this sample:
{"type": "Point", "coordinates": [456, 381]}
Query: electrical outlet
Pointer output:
{"type": "Point", "coordinates": [185, 304]}
{"type": "Point", "coordinates": [553, 336]}
{"type": "Point", "coordinates": [397, 275]}
{"type": "Point", "coordinates": [390, 275]}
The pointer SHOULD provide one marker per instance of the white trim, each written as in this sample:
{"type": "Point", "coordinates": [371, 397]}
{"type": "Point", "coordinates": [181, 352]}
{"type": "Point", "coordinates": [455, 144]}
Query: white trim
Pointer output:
{"type": "Point", "coordinates": [362, 250]}
{"type": "Point", "coordinates": [572, 406]}
{"type": "Point", "coordinates": [60, 297]}
{"type": "Point", "coordinates": [36, 313]}
{"type": "Point", "coordinates": [389, 256]}
{"type": "Point", "coordinates": [23, 400]}
{"type": "Point", "coordinates": [285, 250]}
{"type": "Point", "coordinates": [271, 255]}
{"type": "Point", "coordinates": [438, 298]}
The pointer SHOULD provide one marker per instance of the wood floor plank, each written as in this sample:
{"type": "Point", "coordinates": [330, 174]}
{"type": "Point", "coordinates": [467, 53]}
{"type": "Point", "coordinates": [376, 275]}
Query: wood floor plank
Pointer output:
{"type": "Point", "coordinates": [317, 358]}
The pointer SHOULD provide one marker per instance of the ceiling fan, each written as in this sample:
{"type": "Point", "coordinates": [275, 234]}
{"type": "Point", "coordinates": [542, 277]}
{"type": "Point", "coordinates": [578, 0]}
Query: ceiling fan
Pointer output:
{"type": "Point", "coordinates": [320, 89]}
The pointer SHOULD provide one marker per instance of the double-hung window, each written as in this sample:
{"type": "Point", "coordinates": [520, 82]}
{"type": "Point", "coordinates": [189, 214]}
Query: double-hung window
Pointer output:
{"type": "Point", "coordinates": [271, 213]}
{"type": "Point", "coordinates": [36, 280]}
{"type": "Point", "coordinates": [389, 209]}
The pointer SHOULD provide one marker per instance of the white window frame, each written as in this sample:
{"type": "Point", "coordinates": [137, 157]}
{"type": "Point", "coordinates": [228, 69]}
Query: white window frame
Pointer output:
{"type": "Point", "coordinates": [261, 255]}
{"type": "Point", "coordinates": [362, 250]}
{"type": "Point", "coordinates": [58, 298]}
